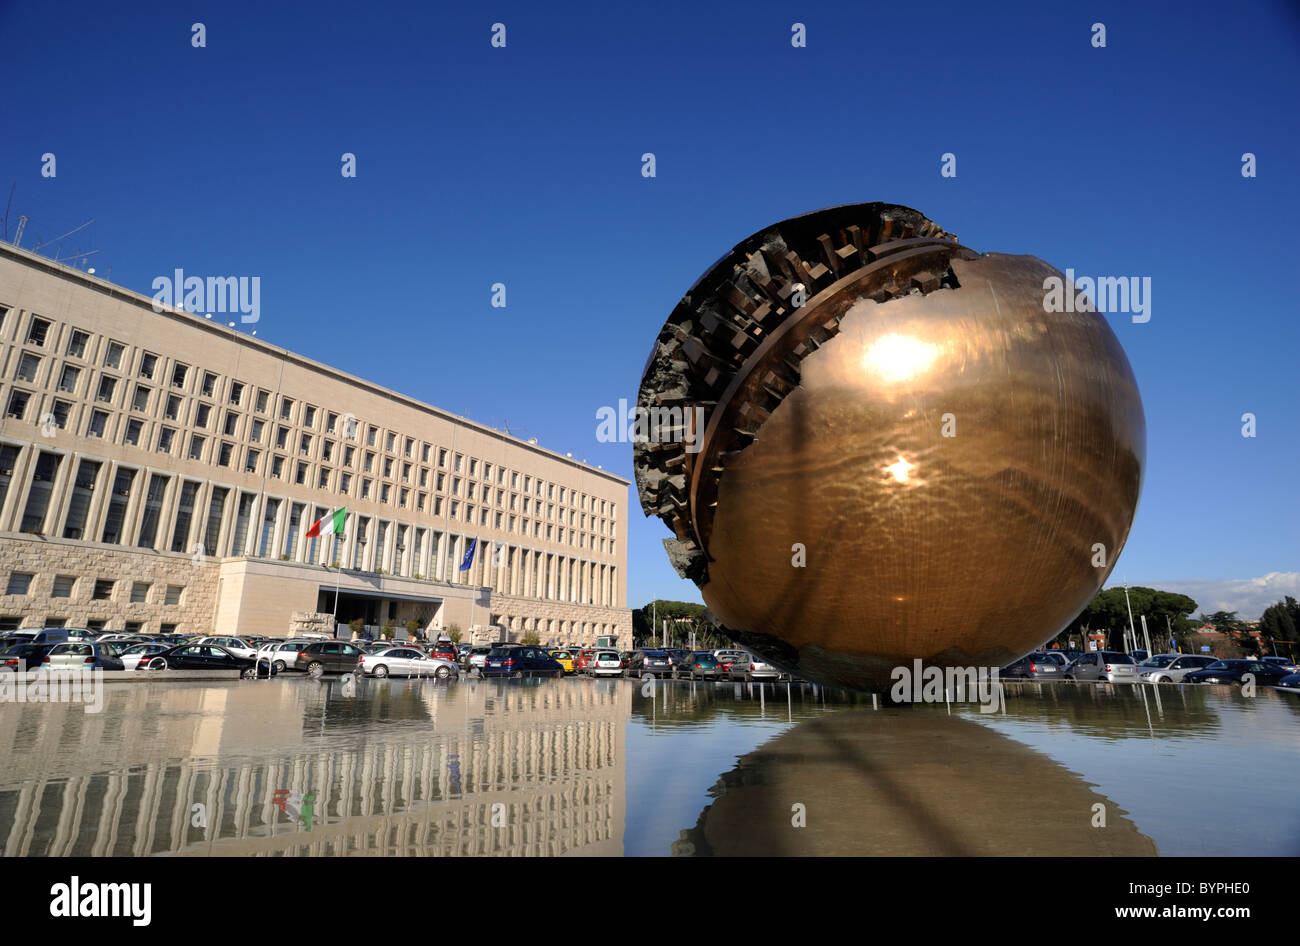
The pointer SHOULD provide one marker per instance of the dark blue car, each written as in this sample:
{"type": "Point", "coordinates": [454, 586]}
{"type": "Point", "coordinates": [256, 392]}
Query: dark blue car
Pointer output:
{"type": "Point", "coordinates": [521, 660]}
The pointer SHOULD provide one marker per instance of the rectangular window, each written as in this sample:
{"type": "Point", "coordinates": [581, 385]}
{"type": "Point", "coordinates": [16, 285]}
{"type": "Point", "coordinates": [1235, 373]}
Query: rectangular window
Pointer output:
{"type": "Point", "coordinates": [286, 409]}
{"type": "Point", "coordinates": [173, 411]}
{"type": "Point", "coordinates": [209, 386]}
{"type": "Point", "coordinates": [148, 365]}
{"type": "Point", "coordinates": [300, 477]}
{"type": "Point", "coordinates": [345, 483]}
{"type": "Point", "coordinates": [250, 461]}
{"type": "Point", "coordinates": [231, 425]}
{"type": "Point", "coordinates": [27, 367]}
{"type": "Point", "coordinates": [83, 491]}
{"type": "Point", "coordinates": [216, 513]}
{"type": "Point", "coordinates": [309, 416]}
{"type": "Point", "coordinates": [140, 399]}
{"type": "Point", "coordinates": [103, 589]}
{"type": "Point", "coordinates": [133, 429]}
{"type": "Point", "coordinates": [196, 447]}
{"type": "Point", "coordinates": [202, 415]}
{"type": "Point", "coordinates": [323, 480]}
{"type": "Point", "coordinates": [262, 400]}
{"type": "Point", "coordinates": [98, 424]}
{"type": "Point", "coordinates": [139, 592]}
{"type": "Point", "coordinates": [224, 454]}
{"type": "Point", "coordinates": [117, 502]}
{"type": "Point", "coordinates": [173, 595]}
{"type": "Point", "coordinates": [326, 450]}
{"type": "Point", "coordinates": [153, 501]}
{"type": "Point", "coordinates": [255, 431]}
{"type": "Point", "coordinates": [277, 467]}
{"type": "Point", "coordinates": [165, 437]}
{"type": "Point", "coordinates": [236, 393]}
{"type": "Point", "coordinates": [107, 385]}
{"type": "Point", "coordinates": [17, 404]}
{"type": "Point", "coordinates": [38, 496]}
{"type": "Point", "coordinates": [184, 516]}
{"type": "Point", "coordinates": [238, 541]}
{"type": "Point", "coordinates": [19, 583]}
{"type": "Point", "coordinates": [59, 410]}
{"type": "Point", "coordinates": [37, 332]}
{"type": "Point", "coordinates": [63, 585]}
{"type": "Point", "coordinates": [304, 445]}
{"type": "Point", "coordinates": [179, 372]}
{"type": "Point", "coordinates": [113, 355]}
{"type": "Point", "coordinates": [359, 547]}
{"type": "Point", "coordinates": [319, 514]}
{"type": "Point", "coordinates": [291, 533]}
{"type": "Point", "coordinates": [268, 527]}
{"type": "Point", "coordinates": [77, 343]}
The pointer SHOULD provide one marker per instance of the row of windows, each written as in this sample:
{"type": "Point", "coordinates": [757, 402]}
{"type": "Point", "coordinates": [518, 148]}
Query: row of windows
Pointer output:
{"type": "Point", "coordinates": [173, 407]}
{"type": "Point", "coordinates": [101, 589]}
{"type": "Point", "coordinates": [158, 510]}
{"type": "Point", "coordinates": [10, 622]}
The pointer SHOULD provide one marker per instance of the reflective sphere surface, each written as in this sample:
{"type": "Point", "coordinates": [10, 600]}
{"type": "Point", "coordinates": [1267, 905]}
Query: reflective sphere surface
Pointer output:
{"type": "Point", "coordinates": [950, 476]}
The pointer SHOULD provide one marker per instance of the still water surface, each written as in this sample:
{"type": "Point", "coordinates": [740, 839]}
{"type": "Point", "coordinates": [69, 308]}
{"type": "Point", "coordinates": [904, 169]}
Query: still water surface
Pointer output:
{"type": "Point", "coordinates": [616, 767]}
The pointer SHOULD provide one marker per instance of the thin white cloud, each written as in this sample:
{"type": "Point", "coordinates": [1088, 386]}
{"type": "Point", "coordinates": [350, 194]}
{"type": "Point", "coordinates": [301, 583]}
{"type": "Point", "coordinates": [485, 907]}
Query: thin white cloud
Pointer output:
{"type": "Point", "coordinates": [1247, 596]}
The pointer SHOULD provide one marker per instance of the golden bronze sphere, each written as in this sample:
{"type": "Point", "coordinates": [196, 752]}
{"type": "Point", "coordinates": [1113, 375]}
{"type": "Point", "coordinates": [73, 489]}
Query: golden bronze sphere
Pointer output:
{"type": "Point", "coordinates": [886, 448]}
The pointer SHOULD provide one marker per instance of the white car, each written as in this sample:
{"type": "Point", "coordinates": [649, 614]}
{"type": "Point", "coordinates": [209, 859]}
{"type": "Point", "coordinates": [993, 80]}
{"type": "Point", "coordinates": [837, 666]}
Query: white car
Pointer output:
{"type": "Point", "coordinates": [282, 653]}
{"type": "Point", "coordinates": [240, 648]}
{"type": "Point", "coordinates": [406, 662]}
{"type": "Point", "coordinates": [606, 663]}
{"type": "Point", "coordinates": [132, 656]}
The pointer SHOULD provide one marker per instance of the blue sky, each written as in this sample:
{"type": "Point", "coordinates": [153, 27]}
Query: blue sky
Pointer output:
{"type": "Point", "coordinates": [521, 165]}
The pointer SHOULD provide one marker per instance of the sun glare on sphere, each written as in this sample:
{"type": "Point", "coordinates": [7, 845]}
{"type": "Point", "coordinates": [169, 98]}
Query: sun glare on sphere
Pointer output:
{"type": "Point", "coordinates": [896, 358]}
{"type": "Point", "coordinates": [901, 470]}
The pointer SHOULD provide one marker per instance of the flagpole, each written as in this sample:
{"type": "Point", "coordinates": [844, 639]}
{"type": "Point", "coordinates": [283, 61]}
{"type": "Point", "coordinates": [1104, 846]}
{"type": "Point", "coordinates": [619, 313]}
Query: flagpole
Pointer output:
{"type": "Point", "coordinates": [338, 578]}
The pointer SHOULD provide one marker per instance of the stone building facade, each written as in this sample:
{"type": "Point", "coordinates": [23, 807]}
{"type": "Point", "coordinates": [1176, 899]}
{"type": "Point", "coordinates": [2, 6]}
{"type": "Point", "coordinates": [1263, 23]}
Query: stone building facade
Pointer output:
{"type": "Point", "coordinates": [160, 470]}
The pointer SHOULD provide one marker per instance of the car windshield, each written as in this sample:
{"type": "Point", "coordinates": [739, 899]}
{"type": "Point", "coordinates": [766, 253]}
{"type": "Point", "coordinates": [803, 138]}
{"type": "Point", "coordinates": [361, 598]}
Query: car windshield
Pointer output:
{"type": "Point", "coordinates": [607, 655]}
{"type": "Point", "coordinates": [1112, 658]}
{"type": "Point", "coordinates": [1159, 660]}
{"type": "Point", "coordinates": [560, 654]}
{"type": "Point", "coordinates": [501, 651]}
{"type": "Point", "coordinates": [654, 653]}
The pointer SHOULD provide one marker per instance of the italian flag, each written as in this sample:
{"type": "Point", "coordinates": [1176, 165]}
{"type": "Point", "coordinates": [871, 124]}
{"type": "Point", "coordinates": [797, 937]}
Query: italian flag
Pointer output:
{"type": "Point", "coordinates": [328, 525]}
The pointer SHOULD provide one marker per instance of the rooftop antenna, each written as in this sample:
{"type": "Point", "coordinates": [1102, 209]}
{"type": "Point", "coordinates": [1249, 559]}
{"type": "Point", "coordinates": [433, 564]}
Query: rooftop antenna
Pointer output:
{"type": "Point", "coordinates": [513, 433]}
{"type": "Point", "coordinates": [68, 234]}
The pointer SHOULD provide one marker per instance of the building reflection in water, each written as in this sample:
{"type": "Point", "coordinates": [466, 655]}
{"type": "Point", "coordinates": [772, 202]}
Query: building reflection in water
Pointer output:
{"type": "Point", "coordinates": [403, 767]}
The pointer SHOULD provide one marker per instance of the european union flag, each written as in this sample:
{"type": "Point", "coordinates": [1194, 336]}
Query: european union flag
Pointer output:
{"type": "Point", "coordinates": [468, 560]}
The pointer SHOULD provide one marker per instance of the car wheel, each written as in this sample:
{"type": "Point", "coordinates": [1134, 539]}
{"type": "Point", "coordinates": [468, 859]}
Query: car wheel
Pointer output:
{"type": "Point", "coordinates": [442, 673]}
{"type": "Point", "coordinates": [380, 671]}
{"type": "Point", "coordinates": [1070, 677]}
{"type": "Point", "coordinates": [749, 678]}
{"type": "Point", "coordinates": [316, 670]}
{"type": "Point", "coordinates": [279, 666]}
{"type": "Point", "coordinates": [157, 663]}
{"type": "Point", "coordinates": [250, 673]}
{"type": "Point", "coordinates": [516, 674]}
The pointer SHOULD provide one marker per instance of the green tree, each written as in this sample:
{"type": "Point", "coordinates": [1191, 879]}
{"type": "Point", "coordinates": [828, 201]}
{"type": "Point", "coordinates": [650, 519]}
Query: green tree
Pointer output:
{"type": "Point", "coordinates": [1109, 611]}
{"type": "Point", "coordinates": [454, 633]}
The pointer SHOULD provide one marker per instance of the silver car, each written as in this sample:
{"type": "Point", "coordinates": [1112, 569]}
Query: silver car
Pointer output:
{"type": "Point", "coordinates": [747, 667]}
{"type": "Point", "coordinates": [80, 655]}
{"type": "Point", "coordinates": [238, 647]}
{"type": "Point", "coordinates": [132, 655]}
{"type": "Point", "coordinates": [1171, 668]}
{"type": "Point", "coordinates": [1108, 666]}
{"type": "Point", "coordinates": [406, 662]}
{"type": "Point", "coordinates": [281, 653]}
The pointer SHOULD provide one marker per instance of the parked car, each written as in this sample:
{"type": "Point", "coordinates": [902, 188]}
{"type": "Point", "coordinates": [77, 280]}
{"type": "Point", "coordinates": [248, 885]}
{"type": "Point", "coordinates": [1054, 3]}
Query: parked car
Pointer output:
{"type": "Point", "coordinates": [23, 655]}
{"type": "Point", "coordinates": [585, 657]}
{"type": "Point", "coordinates": [80, 655]}
{"type": "Point", "coordinates": [57, 635]}
{"type": "Point", "coordinates": [443, 650]}
{"type": "Point", "coordinates": [1058, 656]}
{"type": "Point", "coordinates": [699, 664]}
{"type": "Point", "coordinates": [1290, 683]}
{"type": "Point", "coordinates": [132, 655]}
{"type": "Point", "coordinates": [236, 645]}
{"type": "Point", "coordinates": [1171, 668]}
{"type": "Point", "coordinates": [1139, 655]}
{"type": "Point", "coordinates": [1109, 666]}
{"type": "Point", "coordinates": [476, 658]}
{"type": "Point", "coordinates": [1036, 666]}
{"type": "Point", "coordinates": [321, 657]}
{"type": "Point", "coordinates": [406, 662]}
{"type": "Point", "coordinates": [282, 653]}
{"type": "Point", "coordinates": [607, 663]}
{"type": "Point", "coordinates": [725, 656]}
{"type": "Point", "coordinates": [1286, 664]}
{"type": "Point", "coordinates": [1233, 671]}
{"type": "Point", "coordinates": [200, 657]}
{"type": "Point", "coordinates": [520, 660]}
{"type": "Point", "coordinates": [649, 660]}
{"type": "Point", "coordinates": [564, 659]}
{"type": "Point", "coordinates": [747, 667]}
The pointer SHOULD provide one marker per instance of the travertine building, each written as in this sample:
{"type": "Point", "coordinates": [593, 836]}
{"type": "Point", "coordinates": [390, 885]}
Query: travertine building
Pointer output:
{"type": "Point", "coordinates": [159, 471]}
